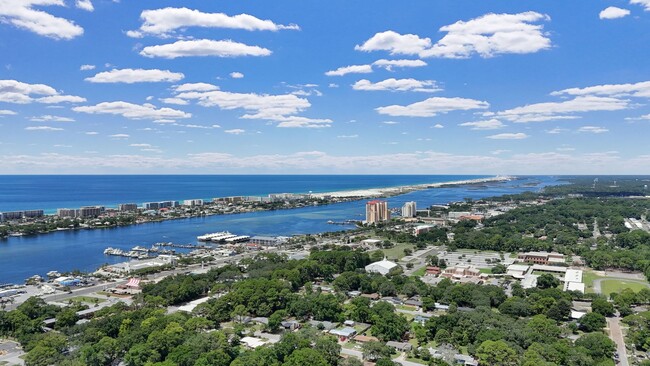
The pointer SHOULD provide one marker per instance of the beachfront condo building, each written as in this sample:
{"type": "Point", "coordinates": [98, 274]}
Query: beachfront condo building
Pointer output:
{"type": "Point", "coordinates": [377, 211]}
{"type": "Point", "coordinates": [409, 209]}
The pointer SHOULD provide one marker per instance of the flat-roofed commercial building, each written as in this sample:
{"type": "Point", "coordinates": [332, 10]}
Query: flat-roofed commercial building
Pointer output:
{"type": "Point", "coordinates": [541, 257]}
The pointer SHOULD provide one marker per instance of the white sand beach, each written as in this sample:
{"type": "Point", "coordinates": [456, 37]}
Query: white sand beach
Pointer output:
{"type": "Point", "coordinates": [391, 191]}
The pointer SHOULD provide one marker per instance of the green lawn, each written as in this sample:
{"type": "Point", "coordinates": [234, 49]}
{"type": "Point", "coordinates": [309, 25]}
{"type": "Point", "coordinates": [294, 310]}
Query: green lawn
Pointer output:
{"type": "Point", "coordinates": [617, 285]}
{"type": "Point", "coordinates": [420, 272]}
{"type": "Point", "coordinates": [588, 278]}
{"type": "Point", "coordinates": [486, 270]}
{"type": "Point", "coordinates": [397, 252]}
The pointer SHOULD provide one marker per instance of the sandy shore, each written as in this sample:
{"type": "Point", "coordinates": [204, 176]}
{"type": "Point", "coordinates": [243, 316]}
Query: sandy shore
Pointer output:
{"type": "Point", "coordinates": [392, 191]}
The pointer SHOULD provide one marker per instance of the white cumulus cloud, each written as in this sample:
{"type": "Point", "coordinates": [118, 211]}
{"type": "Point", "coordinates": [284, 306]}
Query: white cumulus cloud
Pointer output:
{"type": "Point", "coordinates": [644, 3]}
{"type": "Point", "coordinates": [87, 67]}
{"type": "Point", "coordinates": [432, 106]}
{"type": "Point", "coordinates": [203, 47]}
{"type": "Point", "coordinates": [491, 124]}
{"type": "Point", "coordinates": [199, 87]}
{"type": "Point", "coordinates": [508, 136]}
{"type": "Point", "coordinates": [164, 22]}
{"type": "Point", "coordinates": [393, 84]}
{"type": "Point", "coordinates": [50, 118]}
{"type": "Point", "coordinates": [550, 111]}
{"type": "Point", "coordinates": [395, 43]}
{"type": "Point", "coordinates": [43, 128]}
{"type": "Point", "coordinates": [236, 75]}
{"type": "Point", "coordinates": [613, 12]}
{"type": "Point", "coordinates": [390, 64]}
{"type": "Point", "coordinates": [235, 131]}
{"type": "Point", "coordinates": [486, 36]}
{"type": "Point", "coordinates": [639, 90]}
{"type": "Point", "coordinates": [352, 69]}
{"type": "Point", "coordinates": [593, 129]}
{"type": "Point", "coordinates": [13, 91]}
{"type": "Point", "coordinates": [259, 106]}
{"type": "Point", "coordinates": [21, 14]}
{"type": "Point", "coordinates": [86, 5]}
{"type": "Point", "coordinates": [133, 111]}
{"type": "Point", "coordinates": [130, 76]}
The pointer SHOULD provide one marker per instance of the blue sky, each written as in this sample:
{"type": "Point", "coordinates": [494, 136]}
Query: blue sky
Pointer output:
{"type": "Point", "coordinates": [420, 87]}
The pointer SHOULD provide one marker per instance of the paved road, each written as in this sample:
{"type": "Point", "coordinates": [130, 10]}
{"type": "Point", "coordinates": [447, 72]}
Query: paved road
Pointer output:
{"type": "Point", "coordinates": [401, 359]}
{"type": "Point", "coordinates": [616, 335]}
{"type": "Point", "coordinates": [351, 352]}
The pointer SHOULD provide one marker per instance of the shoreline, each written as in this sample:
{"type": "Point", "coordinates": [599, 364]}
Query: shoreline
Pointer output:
{"type": "Point", "coordinates": [396, 190]}
{"type": "Point", "coordinates": [328, 197]}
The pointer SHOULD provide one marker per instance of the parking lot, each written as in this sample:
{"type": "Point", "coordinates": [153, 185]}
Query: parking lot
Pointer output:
{"type": "Point", "coordinates": [10, 353]}
{"type": "Point", "coordinates": [475, 258]}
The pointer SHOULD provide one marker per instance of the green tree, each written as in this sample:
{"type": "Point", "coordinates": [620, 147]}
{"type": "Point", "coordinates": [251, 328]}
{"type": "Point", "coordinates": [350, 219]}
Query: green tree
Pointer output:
{"type": "Point", "coordinates": [601, 306]}
{"type": "Point", "coordinates": [547, 280]}
{"type": "Point", "coordinates": [329, 348]}
{"type": "Point", "coordinates": [597, 345]}
{"type": "Point", "coordinates": [66, 318]}
{"type": "Point", "coordinates": [306, 356]}
{"type": "Point", "coordinates": [592, 322]}
{"type": "Point", "coordinates": [42, 356]}
{"type": "Point", "coordinates": [373, 351]}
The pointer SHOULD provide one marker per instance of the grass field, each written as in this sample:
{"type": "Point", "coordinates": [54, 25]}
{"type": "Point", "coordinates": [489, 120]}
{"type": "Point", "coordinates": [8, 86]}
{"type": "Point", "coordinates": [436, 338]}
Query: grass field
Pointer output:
{"type": "Point", "coordinates": [397, 252]}
{"type": "Point", "coordinates": [617, 285]}
{"type": "Point", "coordinates": [486, 270]}
{"type": "Point", "coordinates": [420, 272]}
{"type": "Point", "coordinates": [588, 278]}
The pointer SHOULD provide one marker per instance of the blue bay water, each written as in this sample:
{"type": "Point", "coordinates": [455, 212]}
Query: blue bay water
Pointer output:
{"type": "Point", "coordinates": [49, 192]}
{"type": "Point", "coordinates": [21, 257]}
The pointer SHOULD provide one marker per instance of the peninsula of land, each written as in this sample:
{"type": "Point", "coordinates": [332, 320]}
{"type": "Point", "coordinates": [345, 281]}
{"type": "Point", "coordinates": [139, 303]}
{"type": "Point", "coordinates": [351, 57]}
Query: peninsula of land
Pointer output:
{"type": "Point", "coordinates": [31, 222]}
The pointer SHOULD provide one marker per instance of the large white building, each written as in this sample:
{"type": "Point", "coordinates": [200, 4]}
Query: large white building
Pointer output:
{"type": "Point", "coordinates": [409, 209]}
{"type": "Point", "coordinates": [573, 280]}
{"type": "Point", "coordinates": [382, 267]}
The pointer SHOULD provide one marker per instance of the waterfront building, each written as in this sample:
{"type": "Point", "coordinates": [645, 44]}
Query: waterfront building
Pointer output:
{"type": "Point", "coordinates": [168, 204]}
{"type": "Point", "coordinates": [90, 211]}
{"type": "Point", "coordinates": [151, 205]}
{"type": "Point", "coordinates": [409, 209]}
{"type": "Point", "coordinates": [377, 211]}
{"type": "Point", "coordinates": [125, 207]}
{"type": "Point", "coordinates": [33, 213]}
{"type": "Point", "coordinates": [192, 203]}
{"type": "Point", "coordinates": [66, 212]}
{"type": "Point", "coordinates": [12, 215]}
